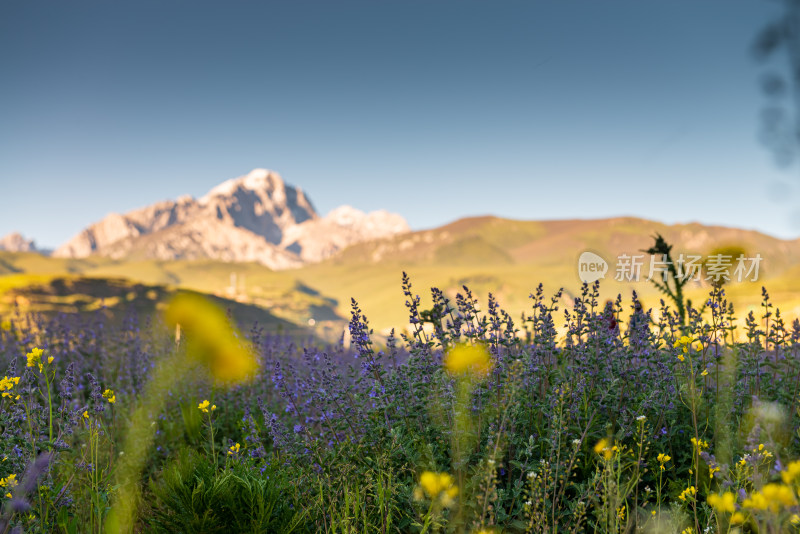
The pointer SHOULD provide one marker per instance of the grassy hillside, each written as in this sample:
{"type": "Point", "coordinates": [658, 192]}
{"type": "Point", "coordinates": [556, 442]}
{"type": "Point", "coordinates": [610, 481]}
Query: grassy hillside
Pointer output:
{"type": "Point", "coordinates": [520, 254]}
{"type": "Point", "coordinates": [488, 254]}
{"type": "Point", "coordinates": [115, 297]}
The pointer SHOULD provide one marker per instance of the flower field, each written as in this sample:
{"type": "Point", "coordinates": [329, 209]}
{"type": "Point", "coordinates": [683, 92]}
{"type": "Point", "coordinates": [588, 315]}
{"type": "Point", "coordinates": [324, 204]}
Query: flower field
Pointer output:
{"type": "Point", "coordinates": [604, 417]}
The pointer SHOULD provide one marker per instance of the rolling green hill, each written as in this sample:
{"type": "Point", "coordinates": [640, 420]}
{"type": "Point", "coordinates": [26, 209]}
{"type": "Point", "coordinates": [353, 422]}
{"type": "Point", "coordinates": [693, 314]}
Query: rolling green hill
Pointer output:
{"type": "Point", "coordinates": [506, 257]}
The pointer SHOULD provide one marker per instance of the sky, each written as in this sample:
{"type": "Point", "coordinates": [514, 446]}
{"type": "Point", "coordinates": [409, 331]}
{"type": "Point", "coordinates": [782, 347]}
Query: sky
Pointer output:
{"type": "Point", "coordinates": [536, 109]}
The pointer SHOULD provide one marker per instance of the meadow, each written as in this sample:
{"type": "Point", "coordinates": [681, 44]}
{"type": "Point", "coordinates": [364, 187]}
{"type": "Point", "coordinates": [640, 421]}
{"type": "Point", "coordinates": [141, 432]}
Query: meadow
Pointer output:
{"type": "Point", "coordinates": [599, 417]}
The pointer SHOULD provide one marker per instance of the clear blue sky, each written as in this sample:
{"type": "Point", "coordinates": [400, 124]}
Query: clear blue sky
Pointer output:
{"type": "Point", "coordinates": [432, 109]}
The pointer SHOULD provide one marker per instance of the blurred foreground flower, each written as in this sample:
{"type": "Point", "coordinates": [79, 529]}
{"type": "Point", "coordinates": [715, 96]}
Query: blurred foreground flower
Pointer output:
{"type": "Point", "coordinates": [723, 503]}
{"type": "Point", "coordinates": [464, 359]}
{"type": "Point", "coordinates": [772, 497]}
{"type": "Point", "coordinates": [437, 487]}
{"type": "Point", "coordinates": [210, 339]}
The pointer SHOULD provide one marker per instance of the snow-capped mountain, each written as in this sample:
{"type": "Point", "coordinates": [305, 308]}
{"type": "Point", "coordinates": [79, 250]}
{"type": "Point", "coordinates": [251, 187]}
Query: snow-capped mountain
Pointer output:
{"type": "Point", "coordinates": [256, 217]}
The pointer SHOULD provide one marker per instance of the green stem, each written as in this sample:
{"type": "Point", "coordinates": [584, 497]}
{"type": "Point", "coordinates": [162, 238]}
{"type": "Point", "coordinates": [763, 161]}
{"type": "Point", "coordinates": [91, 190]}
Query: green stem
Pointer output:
{"type": "Point", "coordinates": [213, 450]}
{"type": "Point", "coordinates": [50, 409]}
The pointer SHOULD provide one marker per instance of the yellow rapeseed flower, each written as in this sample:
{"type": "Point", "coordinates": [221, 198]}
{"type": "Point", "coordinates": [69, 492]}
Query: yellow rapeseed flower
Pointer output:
{"type": "Point", "coordinates": [723, 503]}
{"type": "Point", "coordinates": [210, 338]}
{"type": "Point", "coordinates": [439, 486]}
{"type": "Point", "coordinates": [468, 359]}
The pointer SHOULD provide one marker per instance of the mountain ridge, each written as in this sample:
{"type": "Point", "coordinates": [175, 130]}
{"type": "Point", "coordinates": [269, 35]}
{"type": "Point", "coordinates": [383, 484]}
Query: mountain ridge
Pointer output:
{"type": "Point", "coordinates": [16, 242]}
{"type": "Point", "coordinates": [255, 217]}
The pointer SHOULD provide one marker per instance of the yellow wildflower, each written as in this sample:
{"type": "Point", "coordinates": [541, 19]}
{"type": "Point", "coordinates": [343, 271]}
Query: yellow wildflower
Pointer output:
{"type": "Point", "coordinates": [439, 486]}
{"type": "Point", "coordinates": [662, 459]}
{"type": "Point", "coordinates": [234, 449]}
{"type": "Point", "coordinates": [210, 338]}
{"type": "Point", "coordinates": [86, 414]}
{"type": "Point", "coordinates": [35, 358]}
{"type": "Point", "coordinates": [688, 494]}
{"type": "Point", "coordinates": [205, 406]}
{"type": "Point", "coordinates": [9, 482]}
{"type": "Point", "coordinates": [8, 495]}
{"type": "Point", "coordinates": [699, 444]}
{"type": "Point", "coordinates": [464, 359]}
{"type": "Point", "coordinates": [711, 471]}
{"type": "Point", "coordinates": [684, 343]}
{"type": "Point", "coordinates": [110, 396]}
{"type": "Point", "coordinates": [737, 518]}
{"type": "Point", "coordinates": [723, 503]}
{"type": "Point", "coordinates": [7, 384]}
{"type": "Point", "coordinates": [704, 373]}
{"type": "Point", "coordinates": [621, 513]}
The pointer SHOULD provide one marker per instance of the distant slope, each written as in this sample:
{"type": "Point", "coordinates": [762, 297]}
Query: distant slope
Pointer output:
{"type": "Point", "coordinates": [489, 254]}
{"type": "Point", "coordinates": [520, 254]}
{"type": "Point", "coordinates": [49, 295]}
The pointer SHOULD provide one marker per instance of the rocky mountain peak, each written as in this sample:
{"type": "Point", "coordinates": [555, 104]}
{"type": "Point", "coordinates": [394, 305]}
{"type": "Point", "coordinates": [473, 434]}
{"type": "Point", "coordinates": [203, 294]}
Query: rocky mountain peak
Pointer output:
{"type": "Point", "coordinates": [16, 242]}
{"type": "Point", "coordinates": [255, 217]}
